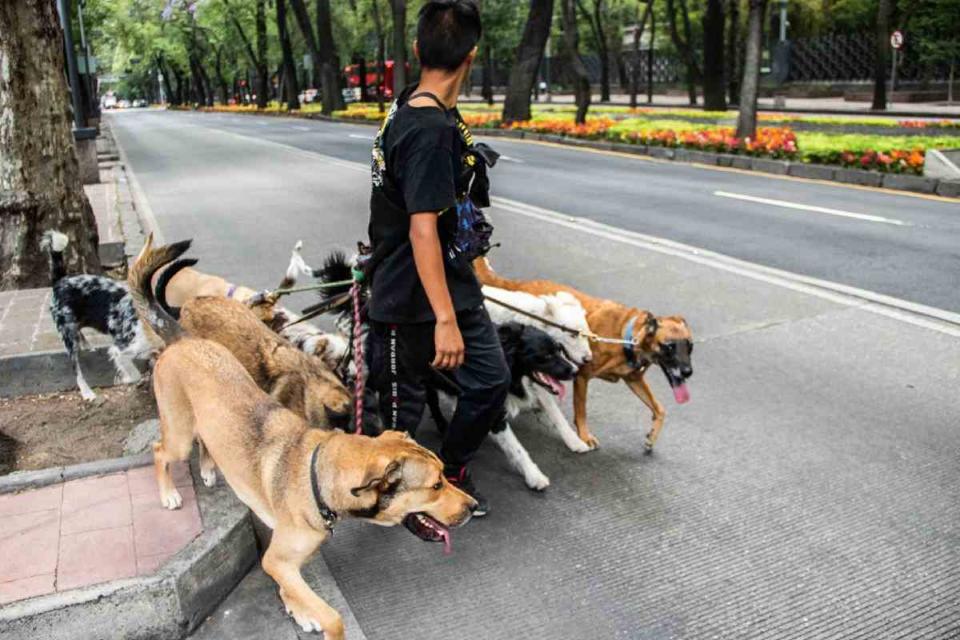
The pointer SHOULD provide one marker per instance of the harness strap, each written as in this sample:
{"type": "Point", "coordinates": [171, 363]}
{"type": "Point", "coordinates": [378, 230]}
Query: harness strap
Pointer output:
{"type": "Point", "coordinates": [329, 516]}
{"type": "Point", "coordinates": [432, 96]}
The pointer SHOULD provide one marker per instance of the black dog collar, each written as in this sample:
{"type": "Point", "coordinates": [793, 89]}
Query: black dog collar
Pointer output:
{"type": "Point", "coordinates": [329, 515]}
{"type": "Point", "coordinates": [630, 345]}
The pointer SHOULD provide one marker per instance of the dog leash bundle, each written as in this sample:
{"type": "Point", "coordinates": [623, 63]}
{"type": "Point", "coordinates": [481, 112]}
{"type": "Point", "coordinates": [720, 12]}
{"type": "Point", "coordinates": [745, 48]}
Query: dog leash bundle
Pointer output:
{"type": "Point", "coordinates": [589, 335]}
{"type": "Point", "coordinates": [309, 287]}
{"type": "Point", "coordinates": [358, 362]}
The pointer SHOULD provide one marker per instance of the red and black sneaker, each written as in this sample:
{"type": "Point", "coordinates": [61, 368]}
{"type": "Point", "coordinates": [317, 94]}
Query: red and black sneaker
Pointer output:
{"type": "Point", "coordinates": [460, 478]}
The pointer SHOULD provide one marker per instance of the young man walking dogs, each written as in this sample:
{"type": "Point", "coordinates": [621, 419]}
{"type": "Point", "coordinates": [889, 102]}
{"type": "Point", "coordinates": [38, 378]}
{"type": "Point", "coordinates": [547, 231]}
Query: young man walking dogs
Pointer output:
{"type": "Point", "coordinates": [426, 310]}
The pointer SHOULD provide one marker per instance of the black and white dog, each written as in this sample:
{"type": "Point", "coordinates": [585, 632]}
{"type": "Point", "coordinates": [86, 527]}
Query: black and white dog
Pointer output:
{"type": "Point", "coordinates": [94, 302]}
{"type": "Point", "coordinates": [540, 365]}
{"type": "Point", "coordinates": [536, 361]}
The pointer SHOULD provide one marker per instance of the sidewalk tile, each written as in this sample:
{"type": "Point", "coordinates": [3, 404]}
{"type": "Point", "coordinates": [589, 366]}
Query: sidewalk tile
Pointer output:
{"type": "Point", "coordinates": [142, 479]}
{"type": "Point", "coordinates": [95, 556]}
{"type": "Point", "coordinates": [32, 500]}
{"type": "Point", "coordinates": [147, 565]}
{"type": "Point", "coordinates": [28, 544]}
{"type": "Point", "coordinates": [26, 588]}
{"type": "Point", "coordinates": [157, 530]}
{"type": "Point", "coordinates": [95, 503]}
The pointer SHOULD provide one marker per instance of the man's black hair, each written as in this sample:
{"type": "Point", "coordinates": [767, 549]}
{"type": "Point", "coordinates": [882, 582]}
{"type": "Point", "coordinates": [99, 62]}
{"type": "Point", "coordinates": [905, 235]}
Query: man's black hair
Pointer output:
{"type": "Point", "coordinates": [447, 32]}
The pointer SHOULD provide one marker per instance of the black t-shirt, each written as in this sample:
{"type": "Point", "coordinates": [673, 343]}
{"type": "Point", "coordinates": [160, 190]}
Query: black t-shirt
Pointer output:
{"type": "Point", "coordinates": [423, 153]}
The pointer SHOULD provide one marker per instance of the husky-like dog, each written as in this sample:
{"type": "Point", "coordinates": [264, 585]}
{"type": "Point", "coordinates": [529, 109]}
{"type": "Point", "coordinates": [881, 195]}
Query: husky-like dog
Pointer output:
{"type": "Point", "coordinates": [94, 302]}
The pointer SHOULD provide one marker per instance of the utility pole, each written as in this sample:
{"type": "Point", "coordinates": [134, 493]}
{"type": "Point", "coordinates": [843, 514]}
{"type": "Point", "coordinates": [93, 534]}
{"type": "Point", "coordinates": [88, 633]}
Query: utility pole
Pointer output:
{"type": "Point", "coordinates": [87, 64]}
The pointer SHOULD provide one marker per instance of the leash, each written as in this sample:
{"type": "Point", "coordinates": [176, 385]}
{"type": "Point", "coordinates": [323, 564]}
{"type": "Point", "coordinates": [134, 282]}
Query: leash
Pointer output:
{"type": "Point", "coordinates": [319, 309]}
{"type": "Point", "coordinates": [589, 335]}
{"type": "Point", "coordinates": [358, 381]}
{"type": "Point", "coordinates": [308, 287]}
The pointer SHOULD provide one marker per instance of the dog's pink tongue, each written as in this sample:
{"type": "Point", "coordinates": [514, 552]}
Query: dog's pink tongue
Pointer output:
{"type": "Point", "coordinates": [447, 545]}
{"type": "Point", "coordinates": [561, 391]}
{"type": "Point", "coordinates": [681, 394]}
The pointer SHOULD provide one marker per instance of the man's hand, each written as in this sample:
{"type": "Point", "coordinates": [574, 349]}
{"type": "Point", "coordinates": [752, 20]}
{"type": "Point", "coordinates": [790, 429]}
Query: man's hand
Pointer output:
{"type": "Point", "coordinates": [448, 344]}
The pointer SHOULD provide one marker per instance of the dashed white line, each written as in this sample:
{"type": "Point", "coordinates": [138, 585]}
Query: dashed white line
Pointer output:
{"type": "Point", "coordinates": [359, 136]}
{"type": "Point", "coordinates": [807, 207]}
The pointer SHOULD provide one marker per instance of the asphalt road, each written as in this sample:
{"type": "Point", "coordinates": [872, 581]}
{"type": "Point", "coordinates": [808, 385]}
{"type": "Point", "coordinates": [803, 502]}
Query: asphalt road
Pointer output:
{"type": "Point", "coordinates": [918, 260]}
{"type": "Point", "coordinates": [810, 488]}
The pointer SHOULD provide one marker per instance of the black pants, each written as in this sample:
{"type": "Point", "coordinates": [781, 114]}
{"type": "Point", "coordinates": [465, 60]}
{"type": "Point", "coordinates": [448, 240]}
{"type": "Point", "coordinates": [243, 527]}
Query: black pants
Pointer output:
{"type": "Point", "coordinates": [398, 362]}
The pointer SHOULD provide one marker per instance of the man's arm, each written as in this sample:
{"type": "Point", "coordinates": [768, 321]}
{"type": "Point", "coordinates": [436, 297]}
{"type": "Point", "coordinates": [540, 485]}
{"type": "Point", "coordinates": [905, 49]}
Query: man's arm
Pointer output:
{"type": "Point", "coordinates": [428, 256]}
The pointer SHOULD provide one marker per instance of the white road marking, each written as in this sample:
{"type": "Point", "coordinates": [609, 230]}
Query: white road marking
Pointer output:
{"type": "Point", "coordinates": [512, 159]}
{"type": "Point", "coordinates": [359, 136]}
{"type": "Point", "coordinates": [939, 320]}
{"type": "Point", "coordinates": [303, 128]}
{"type": "Point", "coordinates": [808, 207]}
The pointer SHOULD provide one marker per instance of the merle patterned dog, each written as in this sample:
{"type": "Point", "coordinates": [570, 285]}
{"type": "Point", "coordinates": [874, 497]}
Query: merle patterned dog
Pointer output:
{"type": "Point", "coordinates": [95, 302]}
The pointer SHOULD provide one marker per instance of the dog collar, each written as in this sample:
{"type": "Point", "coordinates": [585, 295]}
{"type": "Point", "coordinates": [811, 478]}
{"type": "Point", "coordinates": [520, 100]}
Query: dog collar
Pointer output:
{"type": "Point", "coordinates": [329, 515]}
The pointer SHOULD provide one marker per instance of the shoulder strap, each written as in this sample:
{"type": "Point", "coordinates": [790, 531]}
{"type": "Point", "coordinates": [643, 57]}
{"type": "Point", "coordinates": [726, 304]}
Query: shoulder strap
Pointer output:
{"type": "Point", "coordinates": [432, 96]}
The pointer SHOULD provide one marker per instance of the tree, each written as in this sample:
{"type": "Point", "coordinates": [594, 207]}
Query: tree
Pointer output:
{"type": "Point", "coordinates": [381, 55]}
{"type": "Point", "coordinates": [258, 58]}
{"type": "Point", "coordinates": [571, 51]}
{"type": "Point", "coordinates": [330, 67]}
{"type": "Point", "coordinates": [290, 89]}
{"type": "Point", "coordinates": [733, 52]}
{"type": "Point", "coordinates": [935, 37]}
{"type": "Point", "coordinates": [303, 21]}
{"type": "Point", "coordinates": [714, 91]}
{"type": "Point", "coordinates": [637, 34]}
{"type": "Point", "coordinates": [684, 45]}
{"type": "Point", "coordinates": [596, 20]}
{"type": "Point", "coordinates": [516, 106]}
{"type": "Point", "coordinates": [882, 59]}
{"type": "Point", "coordinates": [399, 45]}
{"type": "Point", "coordinates": [747, 119]}
{"type": "Point", "coordinates": [40, 187]}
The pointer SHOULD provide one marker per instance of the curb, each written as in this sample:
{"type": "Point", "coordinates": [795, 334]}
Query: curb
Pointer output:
{"type": "Point", "coordinates": [22, 480]}
{"type": "Point", "coordinates": [52, 371]}
{"type": "Point", "coordinates": [843, 175]}
{"type": "Point", "coordinates": [168, 604]}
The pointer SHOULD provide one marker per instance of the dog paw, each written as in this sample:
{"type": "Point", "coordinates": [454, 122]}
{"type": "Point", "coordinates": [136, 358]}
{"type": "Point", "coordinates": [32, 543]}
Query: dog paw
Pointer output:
{"type": "Point", "coordinates": [306, 621]}
{"type": "Point", "coordinates": [209, 477]}
{"type": "Point", "coordinates": [172, 500]}
{"type": "Point", "coordinates": [537, 480]}
{"type": "Point", "coordinates": [88, 395]}
{"type": "Point", "coordinates": [591, 442]}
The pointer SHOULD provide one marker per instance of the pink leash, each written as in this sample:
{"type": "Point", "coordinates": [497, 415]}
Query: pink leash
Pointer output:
{"type": "Point", "coordinates": [358, 383]}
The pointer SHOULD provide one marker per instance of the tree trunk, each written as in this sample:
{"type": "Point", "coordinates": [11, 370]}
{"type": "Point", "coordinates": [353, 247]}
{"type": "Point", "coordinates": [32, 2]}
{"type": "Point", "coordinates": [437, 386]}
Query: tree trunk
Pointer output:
{"type": "Point", "coordinates": [714, 88]}
{"type": "Point", "coordinates": [684, 46]}
{"type": "Point", "coordinates": [303, 21]}
{"type": "Point", "coordinates": [882, 60]}
{"type": "Point", "coordinates": [381, 54]}
{"type": "Point", "coordinates": [637, 36]}
{"type": "Point", "coordinates": [329, 69]}
{"type": "Point", "coordinates": [516, 106]}
{"type": "Point", "coordinates": [733, 52]}
{"type": "Point", "coordinates": [399, 45]}
{"type": "Point", "coordinates": [747, 119]}
{"type": "Point", "coordinates": [263, 79]}
{"type": "Point", "coordinates": [168, 87]}
{"type": "Point", "coordinates": [221, 80]}
{"type": "Point", "coordinates": [571, 50]}
{"type": "Point", "coordinates": [487, 76]}
{"type": "Point", "coordinates": [603, 50]}
{"type": "Point", "coordinates": [289, 68]}
{"type": "Point", "coordinates": [40, 187]}
{"type": "Point", "coordinates": [952, 78]}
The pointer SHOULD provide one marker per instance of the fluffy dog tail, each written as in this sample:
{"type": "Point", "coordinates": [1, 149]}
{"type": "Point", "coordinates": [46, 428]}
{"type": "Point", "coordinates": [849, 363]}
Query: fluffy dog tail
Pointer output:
{"type": "Point", "coordinates": [139, 277]}
{"type": "Point", "coordinates": [54, 243]}
{"type": "Point", "coordinates": [336, 268]}
{"type": "Point", "coordinates": [486, 275]}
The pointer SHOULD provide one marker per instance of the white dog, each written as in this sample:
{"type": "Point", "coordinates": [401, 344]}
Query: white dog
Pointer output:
{"type": "Point", "coordinates": [566, 310]}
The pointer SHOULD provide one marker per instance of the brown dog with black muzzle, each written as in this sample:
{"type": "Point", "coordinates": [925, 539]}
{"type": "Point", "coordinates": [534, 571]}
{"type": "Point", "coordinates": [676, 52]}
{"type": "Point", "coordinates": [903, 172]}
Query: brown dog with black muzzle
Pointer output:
{"type": "Point", "coordinates": [662, 340]}
{"type": "Point", "coordinates": [297, 480]}
{"type": "Point", "coordinates": [300, 382]}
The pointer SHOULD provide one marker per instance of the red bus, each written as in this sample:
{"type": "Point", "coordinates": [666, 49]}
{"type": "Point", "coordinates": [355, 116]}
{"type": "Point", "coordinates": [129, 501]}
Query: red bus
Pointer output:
{"type": "Point", "coordinates": [352, 72]}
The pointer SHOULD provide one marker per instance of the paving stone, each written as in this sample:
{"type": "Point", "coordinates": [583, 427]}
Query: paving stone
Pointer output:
{"type": "Point", "coordinates": [158, 530]}
{"type": "Point", "coordinates": [28, 544]}
{"type": "Point", "coordinates": [26, 588]}
{"type": "Point", "coordinates": [92, 557]}
{"type": "Point", "coordinates": [143, 481]}
{"type": "Point", "coordinates": [96, 503]}
{"type": "Point", "coordinates": [42, 499]}
{"type": "Point", "coordinates": [147, 565]}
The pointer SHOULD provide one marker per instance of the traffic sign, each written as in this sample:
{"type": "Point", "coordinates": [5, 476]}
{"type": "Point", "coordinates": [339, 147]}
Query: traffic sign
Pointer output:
{"type": "Point", "coordinates": [896, 39]}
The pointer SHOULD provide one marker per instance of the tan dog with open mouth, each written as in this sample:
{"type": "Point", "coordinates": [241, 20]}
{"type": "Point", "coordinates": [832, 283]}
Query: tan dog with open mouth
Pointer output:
{"type": "Point", "coordinates": [662, 340]}
{"type": "Point", "coordinates": [300, 382]}
{"type": "Point", "coordinates": [297, 480]}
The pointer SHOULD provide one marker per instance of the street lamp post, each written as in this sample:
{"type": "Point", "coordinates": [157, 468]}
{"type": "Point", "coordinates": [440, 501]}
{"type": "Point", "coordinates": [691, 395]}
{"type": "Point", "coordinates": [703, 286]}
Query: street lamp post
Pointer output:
{"type": "Point", "coordinates": [79, 115]}
{"type": "Point", "coordinates": [87, 64]}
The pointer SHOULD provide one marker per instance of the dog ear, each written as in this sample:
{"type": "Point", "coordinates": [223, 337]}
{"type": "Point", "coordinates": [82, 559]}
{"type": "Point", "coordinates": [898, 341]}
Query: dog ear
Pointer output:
{"type": "Point", "coordinates": [378, 479]}
{"type": "Point", "coordinates": [650, 325]}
